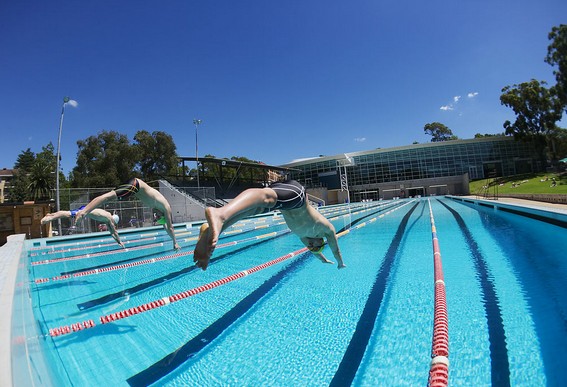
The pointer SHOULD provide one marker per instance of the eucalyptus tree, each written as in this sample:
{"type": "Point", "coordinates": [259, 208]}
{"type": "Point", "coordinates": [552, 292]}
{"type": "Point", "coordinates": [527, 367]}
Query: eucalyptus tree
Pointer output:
{"type": "Point", "coordinates": [439, 132]}
{"type": "Point", "coordinates": [557, 56]}
{"type": "Point", "coordinates": [537, 111]}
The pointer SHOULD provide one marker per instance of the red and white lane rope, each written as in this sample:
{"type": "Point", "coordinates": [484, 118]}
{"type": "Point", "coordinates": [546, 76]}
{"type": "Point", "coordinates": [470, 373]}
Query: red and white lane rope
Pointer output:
{"type": "Point", "coordinates": [439, 369]}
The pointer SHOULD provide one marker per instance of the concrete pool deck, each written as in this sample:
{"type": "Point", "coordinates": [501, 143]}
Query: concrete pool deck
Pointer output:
{"type": "Point", "coordinates": [9, 260]}
{"type": "Point", "coordinates": [552, 207]}
{"type": "Point", "coordinates": [11, 252]}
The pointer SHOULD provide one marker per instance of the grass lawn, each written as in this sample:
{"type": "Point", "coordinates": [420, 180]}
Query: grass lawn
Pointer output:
{"type": "Point", "coordinates": [523, 184]}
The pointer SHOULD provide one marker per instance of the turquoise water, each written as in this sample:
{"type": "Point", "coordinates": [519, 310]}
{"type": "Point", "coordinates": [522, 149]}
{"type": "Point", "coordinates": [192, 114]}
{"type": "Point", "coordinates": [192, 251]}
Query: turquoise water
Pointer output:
{"type": "Point", "coordinates": [301, 322]}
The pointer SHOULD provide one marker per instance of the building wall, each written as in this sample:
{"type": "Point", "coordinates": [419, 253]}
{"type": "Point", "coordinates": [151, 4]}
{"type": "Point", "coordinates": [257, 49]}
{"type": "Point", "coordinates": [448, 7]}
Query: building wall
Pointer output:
{"type": "Point", "coordinates": [6, 178]}
{"type": "Point", "coordinates": [426, 165]}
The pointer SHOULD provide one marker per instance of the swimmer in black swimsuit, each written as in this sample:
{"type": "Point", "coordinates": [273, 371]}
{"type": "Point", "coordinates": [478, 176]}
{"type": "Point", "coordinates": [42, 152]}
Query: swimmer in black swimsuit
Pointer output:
{"type": "Point", "coordinates": [290, 198]}
{"type": "Point", "coordinates": [151, 197]}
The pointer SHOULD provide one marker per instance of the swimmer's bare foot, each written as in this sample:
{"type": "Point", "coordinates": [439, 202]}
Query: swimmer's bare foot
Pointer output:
{"type": "Point", "coordinates": [46, 219]}
{"type": "Point", "coordinates": [208, 238]}
{"type": "Point", "coordinates": [176, 247]}
{"type": "Point", "coordinates": [215, 227]}
{"type": "Point", "coordinates": [200, 255]}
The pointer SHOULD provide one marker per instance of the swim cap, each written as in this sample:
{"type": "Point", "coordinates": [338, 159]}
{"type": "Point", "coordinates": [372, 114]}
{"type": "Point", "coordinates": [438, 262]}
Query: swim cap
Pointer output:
{"type": "Point", "coordinates": [161, 220]}
{"type": "Point", "coordinates": [116, 218]}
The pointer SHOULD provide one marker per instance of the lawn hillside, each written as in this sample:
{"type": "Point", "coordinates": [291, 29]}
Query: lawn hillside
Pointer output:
{"type": "Point", "coordinates": [542, 183]}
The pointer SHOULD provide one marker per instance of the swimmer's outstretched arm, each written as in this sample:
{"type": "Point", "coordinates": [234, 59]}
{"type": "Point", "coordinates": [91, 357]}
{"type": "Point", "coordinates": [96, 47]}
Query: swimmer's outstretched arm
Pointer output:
{"type": "Point", "coordinates": [334, 245]}
{"type": "Point", "coordinates": [114, 233]}
{"type": "Point", "coordinates": [323, 258]}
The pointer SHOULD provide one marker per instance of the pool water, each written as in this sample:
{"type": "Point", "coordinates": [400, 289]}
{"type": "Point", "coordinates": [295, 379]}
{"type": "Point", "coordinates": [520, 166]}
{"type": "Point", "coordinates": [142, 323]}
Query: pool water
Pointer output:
{"type": "Point", "coordinates": [301, 322]}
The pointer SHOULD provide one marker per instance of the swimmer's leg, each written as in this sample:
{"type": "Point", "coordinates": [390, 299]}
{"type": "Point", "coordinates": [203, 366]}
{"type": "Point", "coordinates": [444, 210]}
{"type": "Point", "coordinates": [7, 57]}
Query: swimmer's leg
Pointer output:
{"type": "Point", "coordinates": [250, 202]}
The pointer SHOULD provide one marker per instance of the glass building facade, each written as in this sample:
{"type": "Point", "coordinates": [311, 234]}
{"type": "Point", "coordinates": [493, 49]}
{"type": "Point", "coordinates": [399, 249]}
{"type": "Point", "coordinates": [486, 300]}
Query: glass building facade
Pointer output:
{"type": "Point", "coordinates": [479, 158]}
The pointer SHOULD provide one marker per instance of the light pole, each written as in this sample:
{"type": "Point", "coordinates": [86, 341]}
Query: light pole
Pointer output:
{"type": "Point", "coordinates": [197, 123]}
{"type": "Point", "coordinates": [66, 100]}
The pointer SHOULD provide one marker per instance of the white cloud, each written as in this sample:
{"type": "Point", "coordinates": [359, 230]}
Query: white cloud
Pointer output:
{"type": "Point", "coordinates": [472, 95]}
{"type": "Point", "coordinates": [456, 98]}
{"type": "Point", "coordinates": [446, 107]}
{"type": "Point", "coordinates": [360, 139]}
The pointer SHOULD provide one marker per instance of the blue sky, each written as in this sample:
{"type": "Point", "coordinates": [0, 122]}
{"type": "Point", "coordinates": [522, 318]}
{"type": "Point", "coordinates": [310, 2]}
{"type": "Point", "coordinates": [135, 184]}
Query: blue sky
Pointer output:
{"type": "Point", "coordinates": [271, 81]}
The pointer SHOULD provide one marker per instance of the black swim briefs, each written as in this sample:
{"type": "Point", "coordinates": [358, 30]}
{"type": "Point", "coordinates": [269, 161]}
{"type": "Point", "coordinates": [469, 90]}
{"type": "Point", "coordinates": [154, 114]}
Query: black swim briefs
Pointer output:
{"type": "Point", "coordinates": [126, 190]}
{"type": "Point", "coordinates": [290, 193]}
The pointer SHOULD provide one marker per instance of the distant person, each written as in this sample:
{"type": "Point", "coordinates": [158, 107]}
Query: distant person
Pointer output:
{"type": "Point", "coordinates": [290, 198]}
{"type": "Point", "coordinates": [151, 197]}
{"type": "Point", "coordinates": [106, 218]}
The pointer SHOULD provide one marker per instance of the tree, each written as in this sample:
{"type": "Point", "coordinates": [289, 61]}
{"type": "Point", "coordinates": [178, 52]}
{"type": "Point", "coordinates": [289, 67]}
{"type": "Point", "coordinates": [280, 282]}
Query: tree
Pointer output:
{"type": "Point", "coordinates": [40, 180]}
{"type": "Point", "coordinates": [537, 111]}
{"type": "Point", "coordinates": [25, 160]}
{"type": "Point", "coordinates": [155, 153]}
{"type": "Point", "coordinates": [35, 176]}
{"type": "Point", "coordinates": [254, 174]}
{"type": "Point", "coordinates": [105, 160]}
{"type": "Point", "coordinates": [439, 132]}
{"type": "Point", "coordinates": [557, 56]}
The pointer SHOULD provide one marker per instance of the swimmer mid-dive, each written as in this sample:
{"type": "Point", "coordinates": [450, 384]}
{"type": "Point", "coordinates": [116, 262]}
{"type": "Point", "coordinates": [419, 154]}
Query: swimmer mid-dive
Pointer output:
{"type": "Point", "coordinates": [290, 198]}
{"type": "Point", "coordinates": [151, 197]}
{"type": "Point", "coordinates": [97, 214]}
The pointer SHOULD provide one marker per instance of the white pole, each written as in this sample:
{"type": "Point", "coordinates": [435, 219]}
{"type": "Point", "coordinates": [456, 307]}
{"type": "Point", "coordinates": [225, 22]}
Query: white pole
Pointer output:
{"type": "Point", "coordinates": [57, 202]}
{"type": "Point", "coordinates": [197, 123]}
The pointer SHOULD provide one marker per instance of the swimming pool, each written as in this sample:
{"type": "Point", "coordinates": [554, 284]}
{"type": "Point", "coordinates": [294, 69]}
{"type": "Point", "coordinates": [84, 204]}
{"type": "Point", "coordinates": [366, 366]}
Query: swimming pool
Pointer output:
{"type": "Point", "coordinates": [145, 315]}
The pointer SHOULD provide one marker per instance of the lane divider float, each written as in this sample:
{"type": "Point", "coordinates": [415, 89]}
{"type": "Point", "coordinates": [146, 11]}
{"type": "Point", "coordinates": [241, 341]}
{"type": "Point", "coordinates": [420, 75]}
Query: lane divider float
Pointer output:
{"type": "Point", "coordinates": [439, 368]}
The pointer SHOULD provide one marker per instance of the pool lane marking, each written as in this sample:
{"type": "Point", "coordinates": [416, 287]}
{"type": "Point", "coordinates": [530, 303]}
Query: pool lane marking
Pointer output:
{"type": "Point", "coordinates": [439, 366]}
{"type": "Point", "coordinates": [354, 353]}
{"type": "Point", "coordinates": [66, 329]}
{"type": "Point", "coordinates": [499, 363]}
